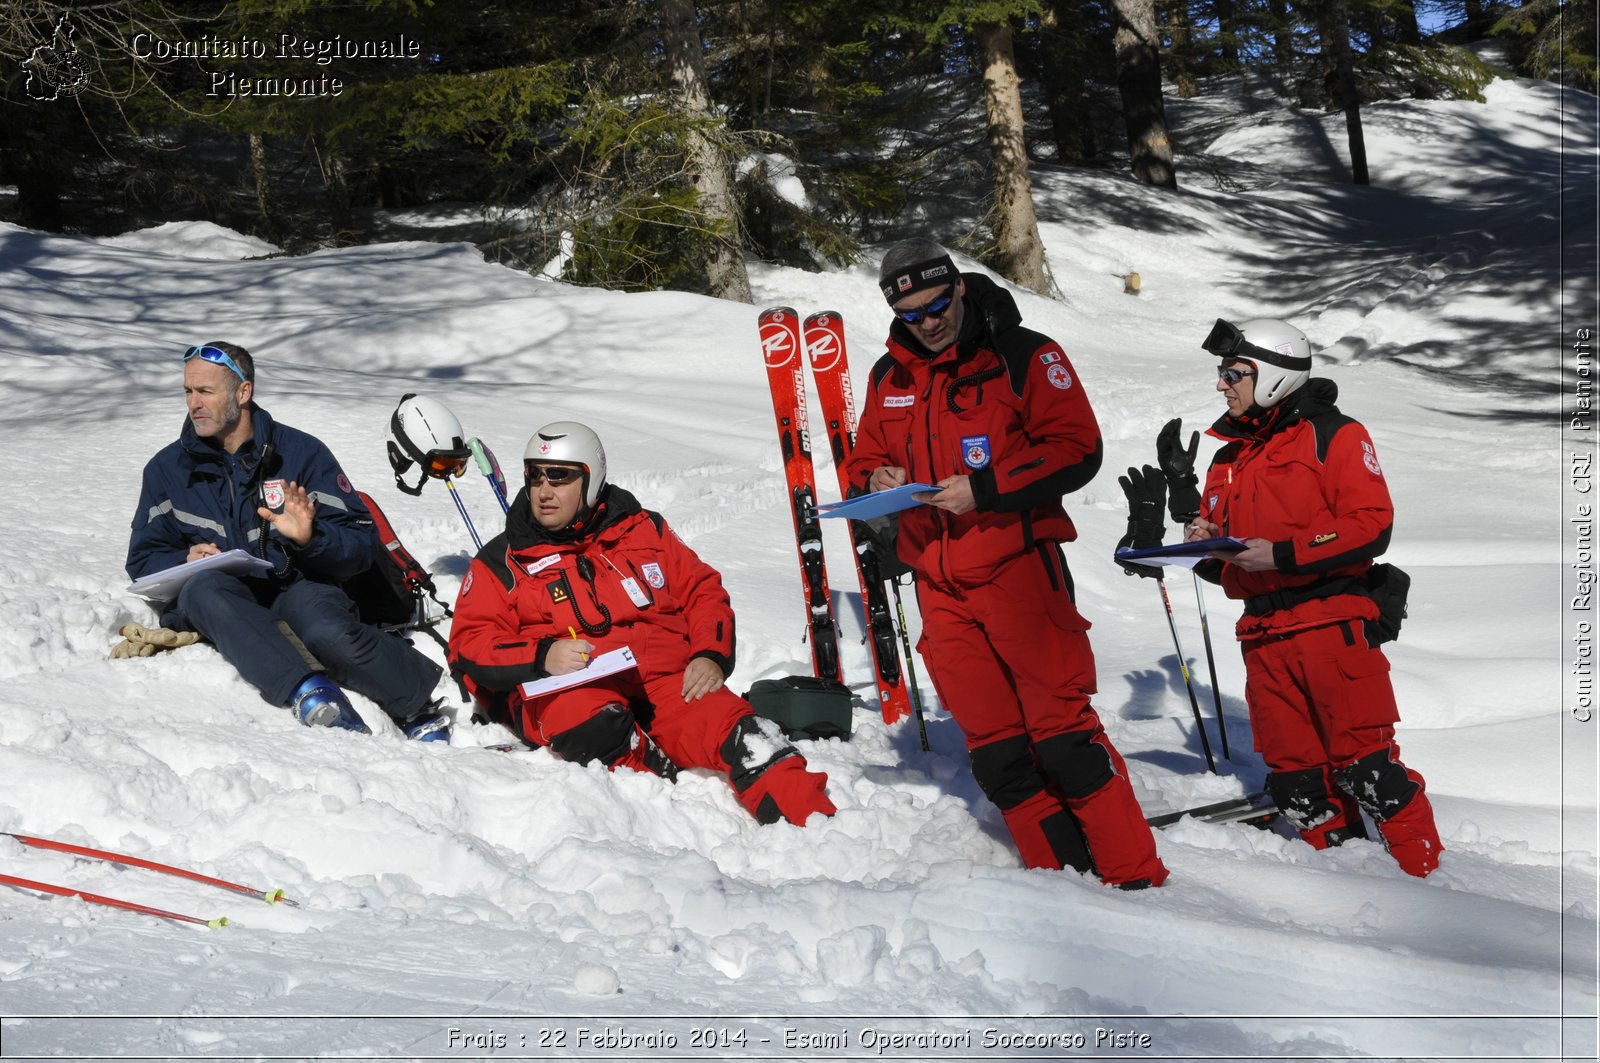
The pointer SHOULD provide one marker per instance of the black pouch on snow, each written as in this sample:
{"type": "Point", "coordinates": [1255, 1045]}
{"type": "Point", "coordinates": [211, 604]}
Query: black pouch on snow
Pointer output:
{"type": "Point", "coordinates": [803, 706]}
{"type": "Point", "coordinates": [1387, 585]}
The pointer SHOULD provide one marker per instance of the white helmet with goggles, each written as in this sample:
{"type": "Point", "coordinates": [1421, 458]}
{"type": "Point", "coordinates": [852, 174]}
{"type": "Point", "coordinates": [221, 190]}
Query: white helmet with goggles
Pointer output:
{"type": "Point", "coordinates": [423, 432]}
{"type": "Point", "coordinates": [1280, 353]}
{"type": "Point", "coordinates": [568, 443]}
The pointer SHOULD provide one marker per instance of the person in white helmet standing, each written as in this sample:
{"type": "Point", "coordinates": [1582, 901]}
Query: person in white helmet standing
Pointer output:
{"type": "Point", "coordinates": [583, 569]}
{"type": "Point", "coordinates": [1300, 483]}
{"type": "Point", "coordinates": [237, 479]}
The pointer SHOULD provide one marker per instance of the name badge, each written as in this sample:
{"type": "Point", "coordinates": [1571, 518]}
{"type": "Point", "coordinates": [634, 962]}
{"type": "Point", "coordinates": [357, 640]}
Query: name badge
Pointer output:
{"type": "Point", "coordinates": [635, 592]}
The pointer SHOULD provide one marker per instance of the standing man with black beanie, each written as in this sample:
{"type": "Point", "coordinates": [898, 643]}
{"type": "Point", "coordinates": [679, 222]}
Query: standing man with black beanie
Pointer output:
{"type": "Point", "coordinates": [993, 413]}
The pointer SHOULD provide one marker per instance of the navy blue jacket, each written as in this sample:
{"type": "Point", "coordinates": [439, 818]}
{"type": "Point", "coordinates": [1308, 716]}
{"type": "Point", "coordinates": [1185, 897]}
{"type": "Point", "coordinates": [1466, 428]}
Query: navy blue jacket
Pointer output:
{"type": "Point", "coordinates": [190, 496]}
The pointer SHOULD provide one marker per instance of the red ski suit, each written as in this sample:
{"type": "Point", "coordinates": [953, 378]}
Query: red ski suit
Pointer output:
{"type": "Point", "coordinates": [1322, 708]}
{"type": "Point", "coordinates": [1007, 648]}
{"type": "Point", "coordinates": [625, 580]}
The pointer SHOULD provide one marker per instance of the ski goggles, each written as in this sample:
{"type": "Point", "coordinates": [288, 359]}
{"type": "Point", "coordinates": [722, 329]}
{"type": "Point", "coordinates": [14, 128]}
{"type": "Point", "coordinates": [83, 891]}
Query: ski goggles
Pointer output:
{"type": "Point", "coordinates": [1226, 341]}
{"type": "Point", "coordinates": [934, 308]}
{"type": "Point", "coordinates": [443, 463]}
{"type": "Point", "coordinates": [554, 475]}
{"type": "Point", "coordinates": [216, 356]}
{"type": "Point", "coordinates": [1231, 376]}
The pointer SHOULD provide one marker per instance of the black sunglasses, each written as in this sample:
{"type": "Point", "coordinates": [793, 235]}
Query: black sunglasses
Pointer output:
{"type": "Point", "coordinates": [934, 308]}
{"type": "Point", "coordinates": [556, 475]}
{"type": "Point", "coordinates": [1231, 376]}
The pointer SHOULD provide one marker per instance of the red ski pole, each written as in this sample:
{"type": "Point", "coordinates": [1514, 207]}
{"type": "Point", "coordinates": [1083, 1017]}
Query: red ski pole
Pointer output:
{"type": "Point", "coordinates": [110, 902]}
{"type": "Point", "coordinates": [270, 896]}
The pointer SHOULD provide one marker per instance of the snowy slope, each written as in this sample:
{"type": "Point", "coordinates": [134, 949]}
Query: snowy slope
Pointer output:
{"type": "Point", "coordinates": [461, 888]}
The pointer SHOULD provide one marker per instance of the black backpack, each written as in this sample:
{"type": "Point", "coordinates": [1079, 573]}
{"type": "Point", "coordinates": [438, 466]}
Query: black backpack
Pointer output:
{"type": "Point", "coordinates": [394, 592]}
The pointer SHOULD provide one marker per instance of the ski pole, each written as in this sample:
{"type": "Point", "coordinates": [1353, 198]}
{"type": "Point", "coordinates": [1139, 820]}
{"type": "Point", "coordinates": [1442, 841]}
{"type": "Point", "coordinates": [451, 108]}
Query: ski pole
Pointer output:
{"type": "Point", "coordinates": [1183, 666]}
{"type": "Point", "coordinates": [110, 902]}
{"type": "Point", "coordinates": [462, 509]}
{"type": "Point", "coordinates": [1211, 665]}
{"type": "Point", "coordinates": [490, 468]}
{"type": "Point", "coordinates": [270, 896]}
{"type": "Point", "coordinates": [911, 668]}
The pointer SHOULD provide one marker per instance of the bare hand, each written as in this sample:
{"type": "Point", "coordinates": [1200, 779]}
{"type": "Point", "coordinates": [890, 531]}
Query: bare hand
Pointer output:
{"type": "Point", "coordinates": [1199, 528]}
{"type": "Point", "coordinates": [199, 550]}
{"type": "Point", "coordinates": [954, 495]}
{"type": "Point", "coordinates": [701, 678]}
{"type": "Point", "coordinates": [1255, 557]}
{"type": "Point", "coordinates": [299, 513]}
{"type": "Point", "coordinates": [567, 655]}
{"type": "Point", "coordinates": [886, 478]}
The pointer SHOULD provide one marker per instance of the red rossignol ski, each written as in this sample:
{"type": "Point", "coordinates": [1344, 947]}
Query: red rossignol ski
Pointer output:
{"type": "Point", "coordinates": [830, 368]}
{"type": "Point", "coordinates": [780, 346]}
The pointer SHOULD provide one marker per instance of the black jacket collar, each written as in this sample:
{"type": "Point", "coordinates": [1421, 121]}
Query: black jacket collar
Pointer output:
{"type": "Point", "coordinates": [523, 532]}
{"type": "Point", "coordinates": [1316, 397]}
{"type": "Point", "coordinates": [989, 311]}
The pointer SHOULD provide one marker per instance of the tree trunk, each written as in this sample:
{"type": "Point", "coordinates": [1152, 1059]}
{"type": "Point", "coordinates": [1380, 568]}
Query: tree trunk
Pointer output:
{"type": "Point", "coordinates": [1180, 57]}
{"type": "Point", "coordinates": [1228, 34]}
{"type": "Point", "coordinates": [1336, 36]}
{"type": "Point", "coordinates": [1065, 91]}
{"type": "Point", "coordinates": [1139, 81]}
{"type": "Point", "coordinates": [1019, 253]}
{"type": "Point", "coordinates": [336, 192]}
{"type": "Point", "coordinates": [726, 277]}
{"type": "Point", "coordinates": [1282, 43]}
{"type": "Point", "coordinates": [258, 170]}
{"type": "Point", "coordinates": [1405, 16]}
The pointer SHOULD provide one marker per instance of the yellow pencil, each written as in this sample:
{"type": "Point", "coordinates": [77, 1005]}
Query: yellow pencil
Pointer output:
{"type": "Point", "coordinates": [574, 635]}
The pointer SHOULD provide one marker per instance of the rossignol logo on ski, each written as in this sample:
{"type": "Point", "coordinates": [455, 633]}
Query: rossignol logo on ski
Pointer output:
{"type": "Point", "coordinates": [821, 347]}
{"type": "Point", "coordinates": [776, 345]}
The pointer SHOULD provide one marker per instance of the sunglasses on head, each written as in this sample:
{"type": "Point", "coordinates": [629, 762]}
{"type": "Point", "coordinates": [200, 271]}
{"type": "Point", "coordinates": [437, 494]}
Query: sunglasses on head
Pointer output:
{"type": "Point", "coordinates": [216, 356]}
{"type": "Point", "coordinates": [1230, 375]}
{"type": "Point", "coordinates": [933, 308]}
{"type": "Point", "coordinates": [555, 475]}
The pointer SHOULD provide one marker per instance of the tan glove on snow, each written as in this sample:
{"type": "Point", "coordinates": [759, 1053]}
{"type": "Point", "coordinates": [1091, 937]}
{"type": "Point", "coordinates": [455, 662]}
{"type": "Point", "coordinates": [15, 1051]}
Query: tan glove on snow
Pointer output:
{"type": "Point", "coordinates": [141, 641]}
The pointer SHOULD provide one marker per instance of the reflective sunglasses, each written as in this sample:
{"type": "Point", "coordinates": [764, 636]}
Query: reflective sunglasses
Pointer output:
{"type": "Point", "coordinates": [216, 356]}
{"type": "Point", "coordinates": [555, 475]}
{"type": "Point", "coordinates": [1231, 376]}
{"type": "Point", "coordinates": [935, 308]}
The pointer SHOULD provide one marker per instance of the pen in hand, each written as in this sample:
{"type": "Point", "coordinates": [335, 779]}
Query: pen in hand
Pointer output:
{"type": "Point", "coordinates": [574, 635]}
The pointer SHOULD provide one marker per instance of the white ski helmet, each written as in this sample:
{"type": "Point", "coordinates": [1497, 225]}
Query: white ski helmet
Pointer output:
{"type": "Point", "coordinates": [425, 433]}
{"type": "Point", "coordinates": [569, 443]}
{"type": "Point", "coordinates": [1279, 351]}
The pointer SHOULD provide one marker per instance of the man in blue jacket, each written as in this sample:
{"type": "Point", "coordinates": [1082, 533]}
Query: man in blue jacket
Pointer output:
{"type": "Point", "coordinates": [236, 479]}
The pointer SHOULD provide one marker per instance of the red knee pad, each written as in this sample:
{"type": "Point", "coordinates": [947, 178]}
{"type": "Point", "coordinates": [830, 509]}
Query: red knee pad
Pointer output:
{"type": "Point", "coordinates": [788, 791]}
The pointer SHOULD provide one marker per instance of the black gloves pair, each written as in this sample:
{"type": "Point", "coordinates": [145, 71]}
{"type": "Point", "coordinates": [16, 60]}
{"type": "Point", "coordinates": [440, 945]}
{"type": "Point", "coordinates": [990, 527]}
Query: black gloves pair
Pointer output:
{"type": "Point", "coordinates": [1174, 485]}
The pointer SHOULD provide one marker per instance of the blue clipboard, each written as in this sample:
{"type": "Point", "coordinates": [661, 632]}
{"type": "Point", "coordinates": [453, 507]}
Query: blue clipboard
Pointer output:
{"type": "Point", "coordinates": [876, 504]}
{"type": "Point", "coordinates": [1186, 555]}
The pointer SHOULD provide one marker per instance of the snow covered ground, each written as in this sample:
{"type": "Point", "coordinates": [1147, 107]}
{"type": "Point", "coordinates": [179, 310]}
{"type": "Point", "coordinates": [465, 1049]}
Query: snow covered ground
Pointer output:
{"type": "Point", "coordinates": [460, 902]}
